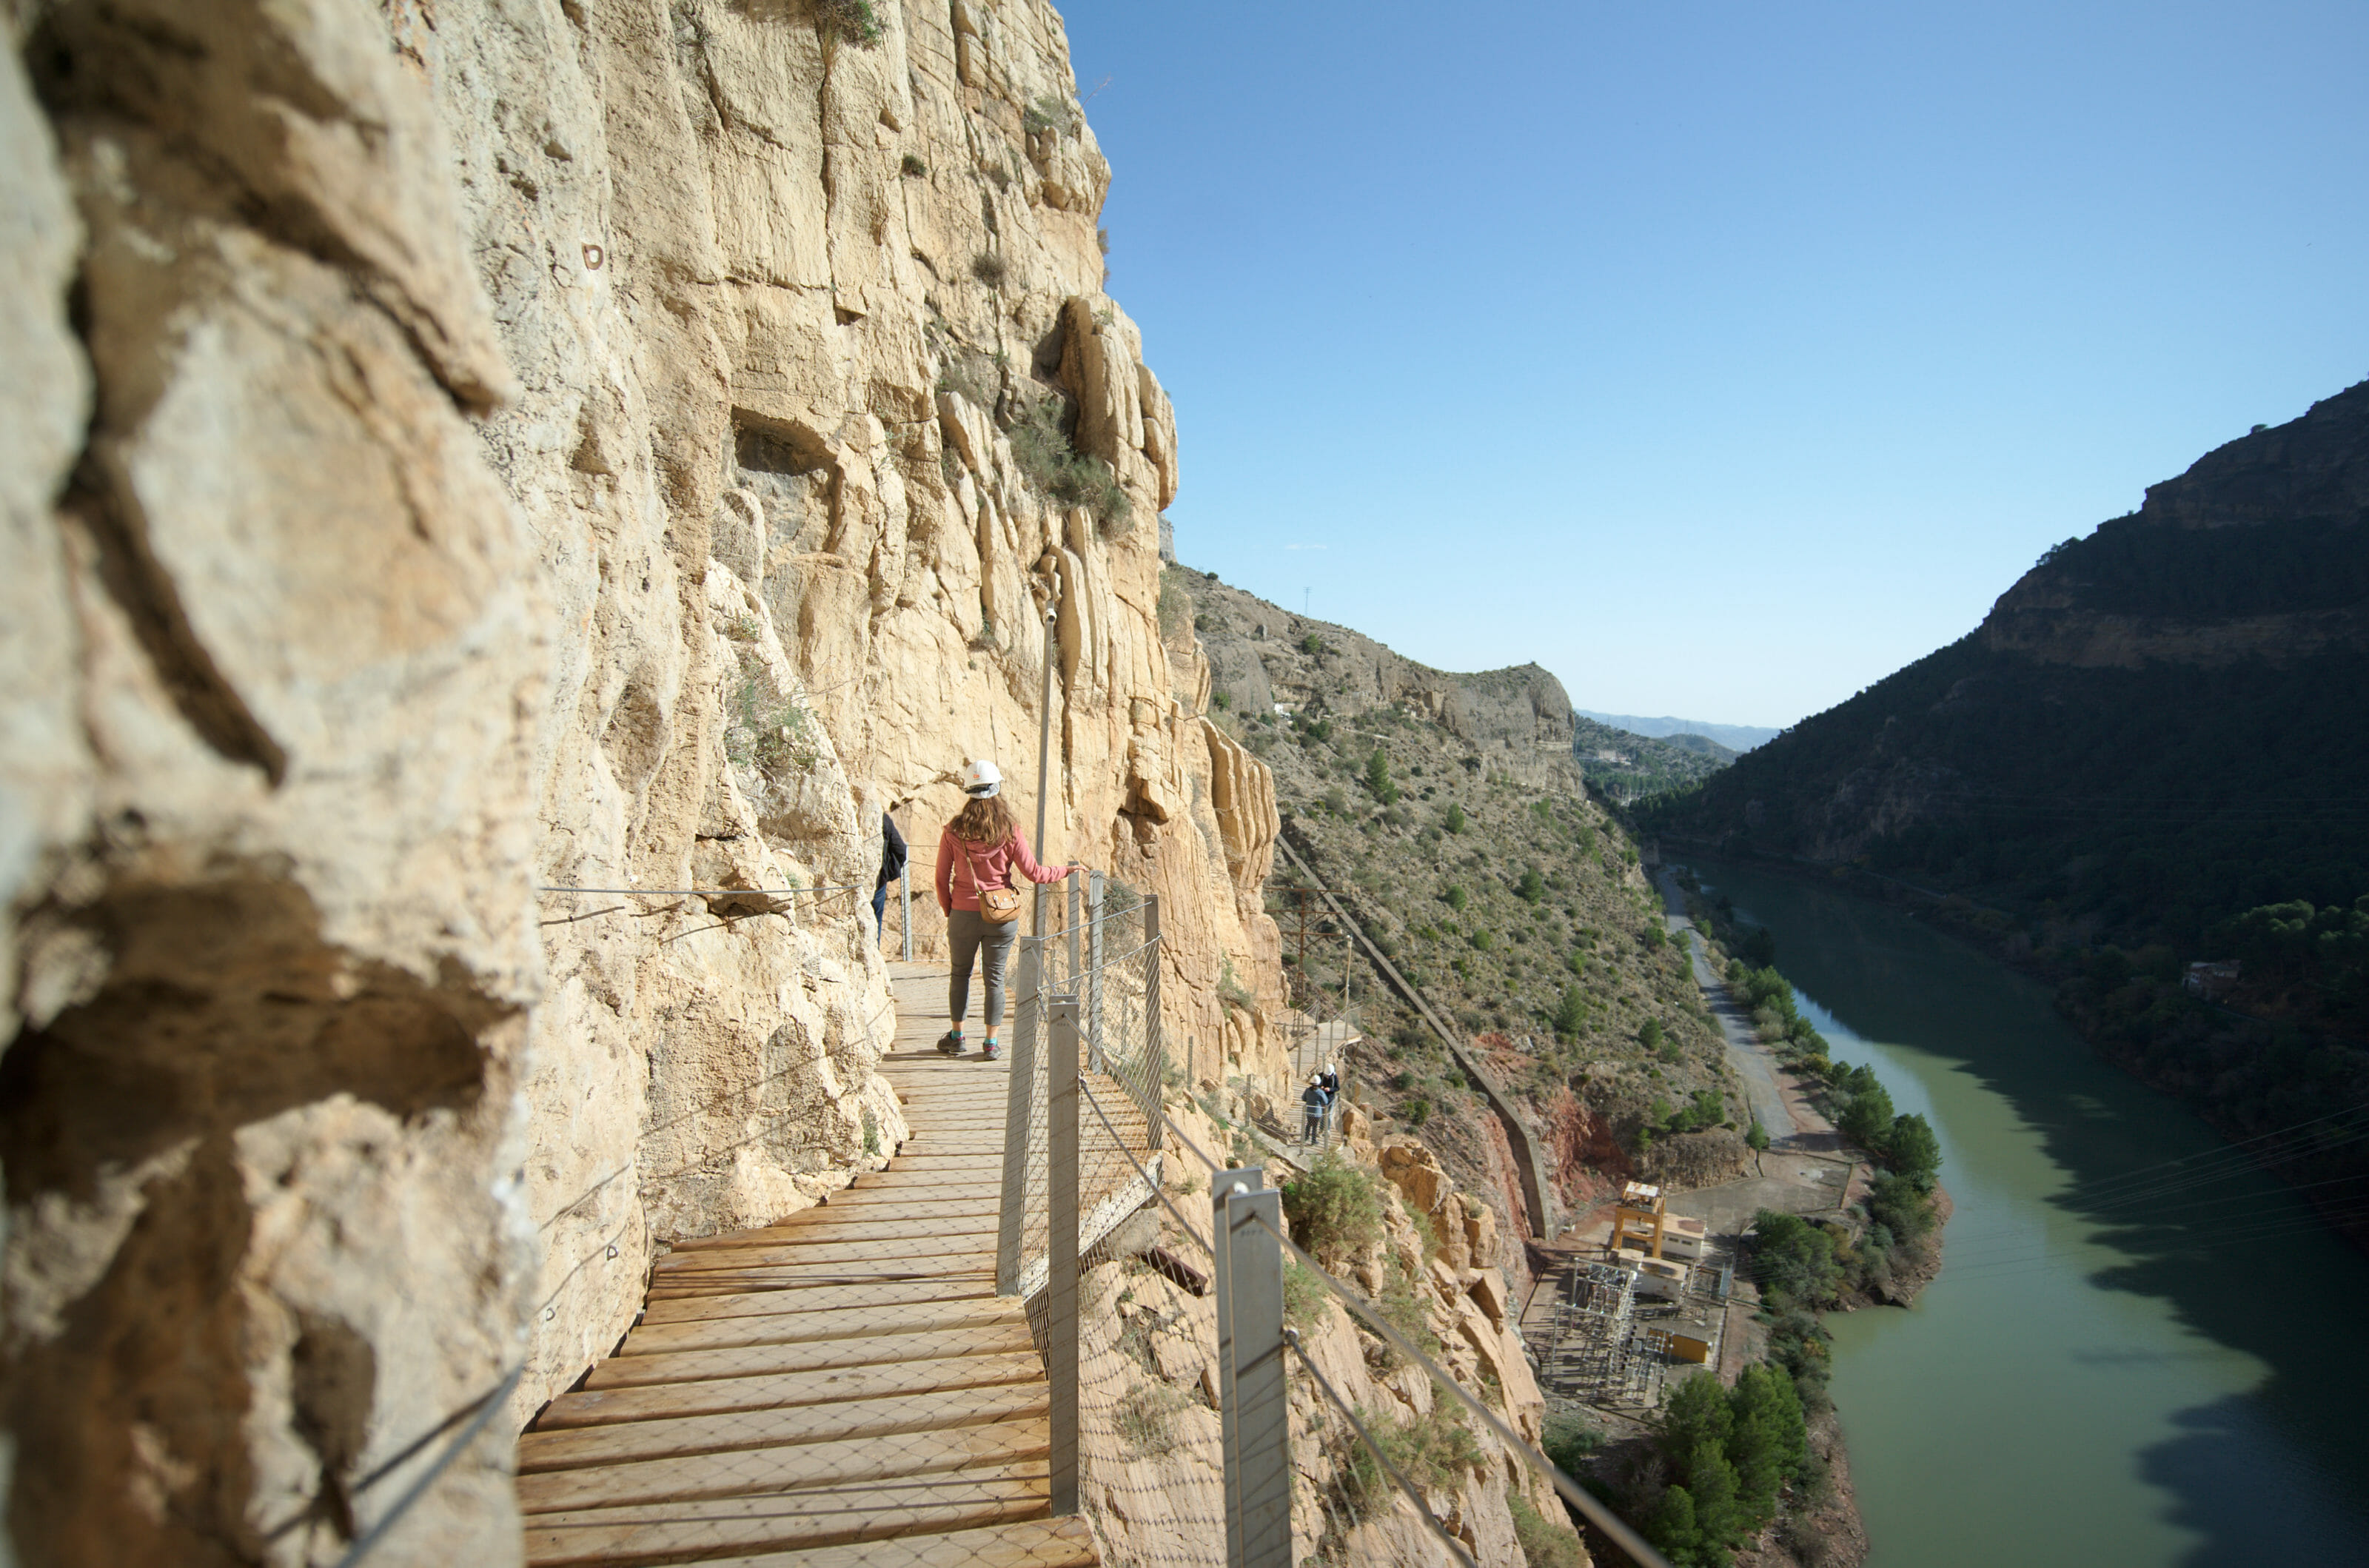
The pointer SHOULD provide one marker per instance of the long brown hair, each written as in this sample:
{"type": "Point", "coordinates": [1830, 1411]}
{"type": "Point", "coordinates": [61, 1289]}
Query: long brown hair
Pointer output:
{"type": "Point", "coordinates": [984, 820]}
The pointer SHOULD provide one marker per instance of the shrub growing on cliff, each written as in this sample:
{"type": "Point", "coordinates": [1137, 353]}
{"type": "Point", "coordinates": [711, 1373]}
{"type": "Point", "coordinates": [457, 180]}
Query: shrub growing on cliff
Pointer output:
{"type": "Point", "coordinates": [1045, 454]}
{"type": "Point", "coordinates": [1434, 1452]}
{"type": "Point", "coordinates": [768, 731]}
{"type": "Point", "coordinates": [849, 19]}
{"type": "Point", "coordinates": [1334, 1210]}
{"type": "Point", "coordinates": [1546, 1543]}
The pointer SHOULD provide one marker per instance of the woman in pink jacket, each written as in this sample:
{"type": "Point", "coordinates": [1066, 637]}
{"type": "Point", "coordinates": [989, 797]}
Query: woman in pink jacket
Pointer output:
{"type": "Point", "coordinates": [980, 848]}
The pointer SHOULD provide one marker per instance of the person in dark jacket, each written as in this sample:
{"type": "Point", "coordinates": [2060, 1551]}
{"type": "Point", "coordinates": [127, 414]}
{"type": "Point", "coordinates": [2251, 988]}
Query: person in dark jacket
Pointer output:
{"type": "Point", "coordinates": [892, 866]}
{"type": "Point", "coordinates": [1314, 1103]}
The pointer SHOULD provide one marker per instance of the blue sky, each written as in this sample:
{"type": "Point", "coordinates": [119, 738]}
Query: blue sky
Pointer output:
{"type": "Point", "coordinates": [1722, 358]}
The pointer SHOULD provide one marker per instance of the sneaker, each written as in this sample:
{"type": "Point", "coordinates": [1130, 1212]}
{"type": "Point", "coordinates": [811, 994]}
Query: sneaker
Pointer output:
{"type": "Point", "coordinates": [951, 1043]}
{"type": "Point", "coordinates": [992, 1051]}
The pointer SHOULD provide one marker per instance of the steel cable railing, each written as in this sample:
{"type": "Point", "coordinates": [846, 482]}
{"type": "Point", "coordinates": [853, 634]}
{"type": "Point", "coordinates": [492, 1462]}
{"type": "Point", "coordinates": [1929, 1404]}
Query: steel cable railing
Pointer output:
{"type": "Point", "coordinates": [1104, 955]}
{"type": "Point", "coordinates": [1396, 1476]}
{"type": "Point", "coordinates": [1589, 1508]}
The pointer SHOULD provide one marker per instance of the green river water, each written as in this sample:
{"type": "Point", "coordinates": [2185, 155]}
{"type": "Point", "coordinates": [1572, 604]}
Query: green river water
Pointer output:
{"type": "Point", "coordinates": [2178, 1378]}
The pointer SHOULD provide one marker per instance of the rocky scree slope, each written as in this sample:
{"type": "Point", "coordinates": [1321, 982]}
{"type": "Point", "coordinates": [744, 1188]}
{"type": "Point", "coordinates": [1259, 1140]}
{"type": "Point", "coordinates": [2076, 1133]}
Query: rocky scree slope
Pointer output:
{"type": "Point", "coordinates": [458, 450]}
{"type": "Point", "coordinates": [1481, 865]}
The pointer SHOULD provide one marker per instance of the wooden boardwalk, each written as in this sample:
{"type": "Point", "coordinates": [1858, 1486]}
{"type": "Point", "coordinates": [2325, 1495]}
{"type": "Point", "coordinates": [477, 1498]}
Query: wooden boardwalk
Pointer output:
{"type": "Point", "coordinates": [844, 1388]}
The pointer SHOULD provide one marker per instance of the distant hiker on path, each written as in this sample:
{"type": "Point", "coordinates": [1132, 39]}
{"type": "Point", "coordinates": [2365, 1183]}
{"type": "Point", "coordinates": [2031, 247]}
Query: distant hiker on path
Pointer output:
{"type": "Point", "coordinates": [978, 852]}
{"type": "Point", "coordinates": [892, 865]}
{"type": "Point", "coordinates": [1314, 1105]}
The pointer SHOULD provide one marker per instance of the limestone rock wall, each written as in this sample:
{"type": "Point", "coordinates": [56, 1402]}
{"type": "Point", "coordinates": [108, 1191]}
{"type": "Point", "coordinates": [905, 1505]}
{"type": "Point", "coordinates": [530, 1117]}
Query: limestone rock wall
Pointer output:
{"type": "Point", "coordinates": [278, 651]}
{"type": "Point", "coordinates": [461, 459]}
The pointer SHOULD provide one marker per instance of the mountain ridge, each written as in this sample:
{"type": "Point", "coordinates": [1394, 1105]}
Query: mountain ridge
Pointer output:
{"type": "Point", "coordinates": [1737, 738]}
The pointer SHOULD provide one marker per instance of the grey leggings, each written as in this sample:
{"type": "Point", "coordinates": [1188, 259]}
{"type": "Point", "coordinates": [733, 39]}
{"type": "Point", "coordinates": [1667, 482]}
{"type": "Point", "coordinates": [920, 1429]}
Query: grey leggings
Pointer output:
{"type": "Point", "coordinates": [972, 938]}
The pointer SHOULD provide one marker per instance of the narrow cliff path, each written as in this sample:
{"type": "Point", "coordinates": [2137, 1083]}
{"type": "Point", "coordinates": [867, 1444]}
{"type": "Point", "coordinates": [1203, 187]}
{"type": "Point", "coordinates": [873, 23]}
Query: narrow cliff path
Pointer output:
{"type": "Point", "coordinates": [842, 1387]}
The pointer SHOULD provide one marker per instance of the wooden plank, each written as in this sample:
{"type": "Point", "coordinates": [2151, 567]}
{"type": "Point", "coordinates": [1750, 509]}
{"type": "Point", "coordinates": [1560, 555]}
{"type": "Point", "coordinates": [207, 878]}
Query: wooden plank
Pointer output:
{"type": "Point", "coordinates": [918, 1254]}
{"type": "Point", "coordinates": [956, 1201]}
{"type": "Point", "coordinates": [699, 1287]}
{"type": "Point", "coordinates": [740, 1281]}
{"type": "Point", "coordinates": [880, 1224]}
{"type": "Point", "coordinates": [802, 1327]}
{"type": "Point", "coordinates": [577, 1446]}
{"type": "Point", "coordinates": [679, 1531]}
{"type": "Point", "coordinates": [842, 1462]}
{"type": "Point", "coordinates": [911, 1239]}
{"type": "Point", "coordinates": [818, 1297]}
{"type": "Point", "coordinates": [598, 1407]}
{"type": "Point", "coordinates": [1029, 1543]}
{"type": "Point", "coordinates": [763, 1360]}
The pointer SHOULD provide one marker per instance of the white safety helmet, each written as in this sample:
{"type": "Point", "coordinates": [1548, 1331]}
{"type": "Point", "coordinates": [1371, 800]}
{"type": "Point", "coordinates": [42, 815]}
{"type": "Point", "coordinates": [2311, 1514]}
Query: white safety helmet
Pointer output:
{"type": "Point", "coordinates": [981, 779]}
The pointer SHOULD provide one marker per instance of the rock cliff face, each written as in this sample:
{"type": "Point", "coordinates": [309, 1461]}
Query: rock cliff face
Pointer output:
{"type": "Point", "coordinates": [2260, 553]}
{"type": "Point", "coordinates": [456, 451]}
{"type": "Point", "coordinates": [1516, 722]}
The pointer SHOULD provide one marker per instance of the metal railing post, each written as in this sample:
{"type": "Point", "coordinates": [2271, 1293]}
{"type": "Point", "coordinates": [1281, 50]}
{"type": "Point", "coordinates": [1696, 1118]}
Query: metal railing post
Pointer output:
{"type": "Point", "coordinates": [1155, 1048]}
{"type": "Point", "coordinates": [1061, 1250]}
{"type": "Point", "coordinates": [1070, 923]}
{"type": "Point", "coordinates": [1253, 1415]}
{"type": "Point", "coordinates": [1019, 1117]}
{"type": "Point", "coordinates": [1094, 971]}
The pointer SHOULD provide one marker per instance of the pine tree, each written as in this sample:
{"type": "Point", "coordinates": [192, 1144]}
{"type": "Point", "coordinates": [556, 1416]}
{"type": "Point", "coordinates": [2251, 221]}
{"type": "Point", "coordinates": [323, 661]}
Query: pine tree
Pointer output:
{"type": "Point", "coordinates": [1673, 1527]}
{"type": "Point", "coordinates": [1867, 1118]}
{"type": "Point", "coordinates": [1572, 1016]}
{"type": "Point", "coordinates": [1912, 1150]}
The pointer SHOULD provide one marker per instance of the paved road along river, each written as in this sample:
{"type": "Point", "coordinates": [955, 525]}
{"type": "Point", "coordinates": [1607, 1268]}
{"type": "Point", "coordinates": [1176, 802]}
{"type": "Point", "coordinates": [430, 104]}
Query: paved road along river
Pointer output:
{"type": "Point", "coordinates": [2122, 1366]}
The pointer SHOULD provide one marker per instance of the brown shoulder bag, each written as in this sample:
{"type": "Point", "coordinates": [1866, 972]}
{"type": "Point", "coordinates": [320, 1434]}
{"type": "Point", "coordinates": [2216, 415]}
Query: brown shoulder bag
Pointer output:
{"type": "Point", "coordinates": [997, 905]}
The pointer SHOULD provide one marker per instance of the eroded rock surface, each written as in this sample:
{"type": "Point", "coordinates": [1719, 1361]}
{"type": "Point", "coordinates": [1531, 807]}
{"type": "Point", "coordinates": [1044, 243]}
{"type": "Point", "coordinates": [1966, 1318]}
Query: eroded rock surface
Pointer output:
{"type": "Point", "coordinates": [458, 452]}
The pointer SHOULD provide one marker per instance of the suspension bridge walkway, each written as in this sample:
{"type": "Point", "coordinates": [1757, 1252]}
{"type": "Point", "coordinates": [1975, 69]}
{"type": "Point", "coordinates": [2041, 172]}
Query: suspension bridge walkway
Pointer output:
{"type": "Point", "coordinates": [844, 1388]}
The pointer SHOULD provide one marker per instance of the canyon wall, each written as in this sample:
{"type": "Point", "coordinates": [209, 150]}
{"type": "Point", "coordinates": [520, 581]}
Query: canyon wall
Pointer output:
{"type": "Point", "coordinates": [463, 459]}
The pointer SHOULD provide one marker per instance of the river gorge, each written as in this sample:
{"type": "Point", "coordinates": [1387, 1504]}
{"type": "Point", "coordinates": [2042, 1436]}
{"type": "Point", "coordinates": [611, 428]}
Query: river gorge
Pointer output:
{"type": "Point", "coordinates": [2141, 1351]}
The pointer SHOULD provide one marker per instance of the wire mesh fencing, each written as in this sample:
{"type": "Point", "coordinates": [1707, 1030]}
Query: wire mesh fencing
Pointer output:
{"type": "Point", "coordinates": [1100, 950]}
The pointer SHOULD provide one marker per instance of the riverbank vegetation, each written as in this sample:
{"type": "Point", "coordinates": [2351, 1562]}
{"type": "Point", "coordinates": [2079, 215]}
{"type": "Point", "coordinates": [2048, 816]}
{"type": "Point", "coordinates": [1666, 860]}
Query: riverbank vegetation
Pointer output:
{"type": "Point", "coordinates": [2253, 1076]}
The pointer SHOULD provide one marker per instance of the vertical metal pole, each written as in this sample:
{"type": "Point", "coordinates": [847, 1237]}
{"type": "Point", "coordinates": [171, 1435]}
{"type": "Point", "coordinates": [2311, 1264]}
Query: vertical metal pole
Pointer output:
{"type": "Point", "coordinates": [1155, 1047]}
{"type": "Point", "coordinates": [1070, 923]}
{"type": "Point", "coordinates": [905, 899]}
{"type": "Point", "coordinates": [1044, 752]}
{"type": "Point", "coordinates": [1252, 1412]}
{"type": "Point", "coordinates": [1061, 1251]}
{"type": "Point", "coordinates": [1019, 1118]}
{"type": "Point", "coordinates": [1094, 971]}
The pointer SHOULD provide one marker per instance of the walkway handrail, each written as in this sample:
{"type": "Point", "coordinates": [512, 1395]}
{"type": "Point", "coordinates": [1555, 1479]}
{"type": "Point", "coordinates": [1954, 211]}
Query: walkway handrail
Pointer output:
{"type": "Point", "coordinates": [1234, 1332]}
{"type": "Point", "coordinates": [1105, 957]}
